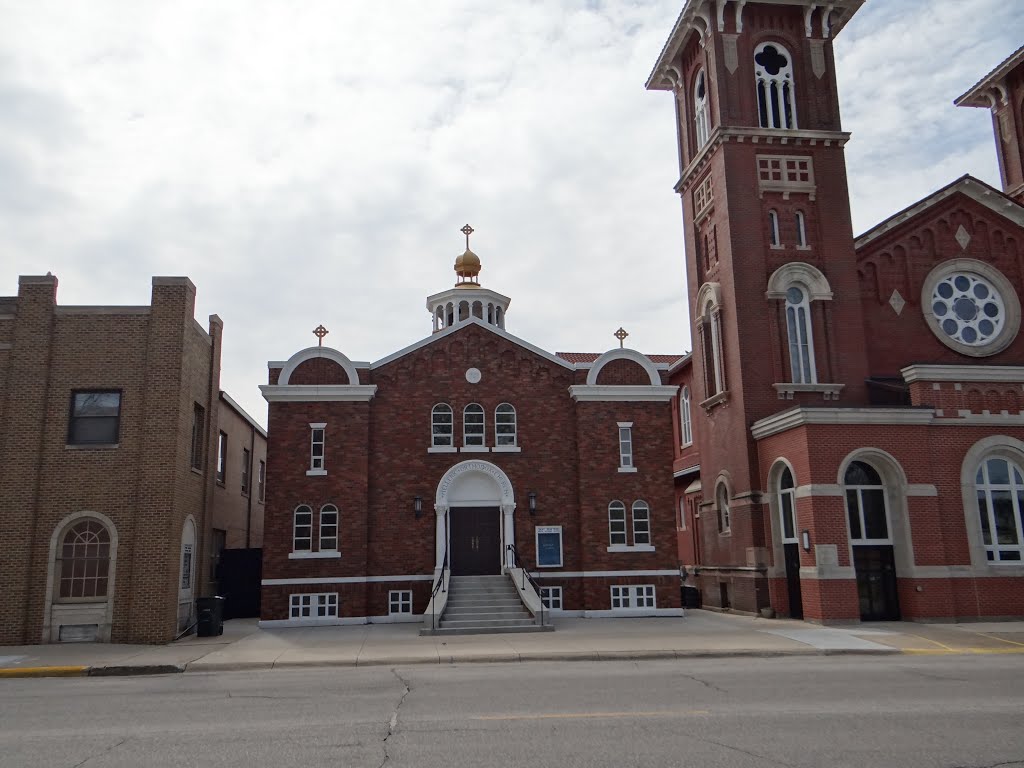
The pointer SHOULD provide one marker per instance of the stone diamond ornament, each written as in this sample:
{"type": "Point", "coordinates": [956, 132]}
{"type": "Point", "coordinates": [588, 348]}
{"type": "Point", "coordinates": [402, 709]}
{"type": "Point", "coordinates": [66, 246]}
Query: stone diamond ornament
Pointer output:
{"type": "Point", "coordinates": [963, 237]}
{"type": "Point", "coordinates": [897, 302]}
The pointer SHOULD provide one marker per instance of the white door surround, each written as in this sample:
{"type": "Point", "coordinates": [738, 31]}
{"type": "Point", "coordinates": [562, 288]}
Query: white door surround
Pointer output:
{"type": "Point", "coordinates": [473, 483]}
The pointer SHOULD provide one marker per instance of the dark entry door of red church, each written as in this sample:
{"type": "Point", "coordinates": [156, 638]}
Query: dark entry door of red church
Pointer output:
{"type": "Point", "coordinates": [475, 541]}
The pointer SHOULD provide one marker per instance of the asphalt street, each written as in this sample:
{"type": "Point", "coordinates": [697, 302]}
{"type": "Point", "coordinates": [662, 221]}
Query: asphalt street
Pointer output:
{"type": "Point", "coordinates": [910, 712]}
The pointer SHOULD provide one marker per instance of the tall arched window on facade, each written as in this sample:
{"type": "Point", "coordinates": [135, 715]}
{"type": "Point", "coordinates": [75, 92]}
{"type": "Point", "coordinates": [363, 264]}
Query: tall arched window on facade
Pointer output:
{"type": "Point", "coordinates": [798, 330]}
{"type": "Point", "coordinates": [1000, 490]}
{"type": "Point", "coordinates": [701, 113]}
{"type": "Point", "coordinates": [774, 238]}
{"type": "Point", "coordinates": [787, 507]}
{"type": "Point", "coordinates": [776, 97]}
{"type": "Point", "coordinates": [801, 230]}
{"type": "Point", "coordinates": [866, 505]}
{"type": "Point", "coordinates": [505, 425]}
{"type": "Point", "coordinates": [84, 562]}
{"type": "Point", "coordinates": [473, 425]}
{"type": "Point", "coordinates": [441, 425]}
{"type": "Point", "coordinates": [685, 424]}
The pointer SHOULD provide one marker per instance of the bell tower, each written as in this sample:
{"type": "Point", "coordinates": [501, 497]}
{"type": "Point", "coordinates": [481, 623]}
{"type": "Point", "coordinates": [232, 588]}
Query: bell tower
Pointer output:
{"type": "Point", "coordinates": [770, 262]}
{"type": "Point", "coordinates": [1002, 92]}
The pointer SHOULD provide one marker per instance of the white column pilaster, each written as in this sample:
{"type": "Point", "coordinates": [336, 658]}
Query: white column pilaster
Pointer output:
{"type": "Point", "coordinates": [440, 537]}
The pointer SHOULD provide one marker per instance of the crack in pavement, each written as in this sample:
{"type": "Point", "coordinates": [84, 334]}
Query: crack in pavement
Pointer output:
{"type": "Point", "coordinates": [705, 683]}
{"type": "Point", "coordinates": [393, 722]}
{"type": "Point", "coordinates": [106, 751]}
{"type": "Point", "coordinates": [994, 765]}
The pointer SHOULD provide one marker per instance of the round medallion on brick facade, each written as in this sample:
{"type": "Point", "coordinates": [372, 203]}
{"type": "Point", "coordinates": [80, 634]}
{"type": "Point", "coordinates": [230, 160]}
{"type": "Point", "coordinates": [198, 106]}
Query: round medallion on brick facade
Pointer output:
{"type": "Point", "coordinates": [473, 375]}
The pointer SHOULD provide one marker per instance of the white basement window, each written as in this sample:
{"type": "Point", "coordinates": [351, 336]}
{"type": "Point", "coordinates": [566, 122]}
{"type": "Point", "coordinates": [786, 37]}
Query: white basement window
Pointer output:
{"type": "Point", "coordinates": [399, 602]}
{"type": "Point", "coordinates": [632, 597]}
{"type": "Point", "coordinates": [316, 605]}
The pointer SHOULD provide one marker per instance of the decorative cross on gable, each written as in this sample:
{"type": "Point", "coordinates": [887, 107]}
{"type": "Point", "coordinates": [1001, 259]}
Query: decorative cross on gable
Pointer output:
{"type": "Point", "coordinates": [621, 336]}
{"type": "Point", "coordinates": [320, 332]}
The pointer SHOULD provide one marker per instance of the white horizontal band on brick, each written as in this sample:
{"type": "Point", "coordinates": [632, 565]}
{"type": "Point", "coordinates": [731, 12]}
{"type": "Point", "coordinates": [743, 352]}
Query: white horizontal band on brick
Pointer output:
{"type": "Point", "coordinates": [639, 393]}
{"type": "Point", "coordinates": [601, 574]}
{"type": "Point", "coordinates": [798, 417]}
{"type": "Point", "coordinates": [824, 489]}
{"type": "Point", "coordinates": [1003, 374]}
{"type": "Point", "coordinates": [317, 393]}
{"type": "Point", "coordinates": [347, 580]}
{"type": "Point", "coordinates": [339, 621]}
{"type": "Point", "coordinates": [632, 613]}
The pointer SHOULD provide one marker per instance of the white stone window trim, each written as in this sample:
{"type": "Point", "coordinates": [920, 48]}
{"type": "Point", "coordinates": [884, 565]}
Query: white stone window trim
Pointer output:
{"type": "Point", "coordinates": [551, 598]}
{"type": "Point", "coordinates": [701, 109]}
{"type": "Point", "coordinates": [996, 446]}
{"type": "Point", "coordinates": [314, 555]}
{"type": "Point", "coordinates": [442, 449]}
{"type": "Point", "coordinates": [863, 540]}
{"type": "Point", "coordinates": [774, 235]}
{"type": "Point", "coordinates": [548, 530]}
{"type": "Point", "coordinates": [709, 330]}
{"type": "Point", "coordinates": [399, 602]}
{"type": "Point", "coordinates": [774, 115]}
{"type": "Point", "coordinates": [317, 439]}
{"type": "Point", "coordinates": [800, 335]}
{"type": "Point", "coordinates": [801, 231]}
{"type": "Point", "coordinates": [633, 597]}
{"type": "Point", "coordinates": [626, 446]}
{"type": "Point", "coordinates": [641, 513]}
{"type": "Point", "coordinates": [325, 511]}
{"type": "Point", "coordinates": [1008, 296]}
{"type": "Point", "coordinates": [615, 530]}
{"type": "Point", "coordinates": [476, 410]}
{"type": "Point", "coordinates": [1016, 491]}
{"type": "Point", "coordinates": [723, 509]}
{"type": "Point", "coordinates": [632, 548]}
{"type": "Point", "coordinates": [504, 410]}
{"type": "Point", "coordinates": [313, 602]}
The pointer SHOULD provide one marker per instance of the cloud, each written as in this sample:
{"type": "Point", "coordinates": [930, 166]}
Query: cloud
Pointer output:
{"type": "Point", "coordinates": [313, 162]}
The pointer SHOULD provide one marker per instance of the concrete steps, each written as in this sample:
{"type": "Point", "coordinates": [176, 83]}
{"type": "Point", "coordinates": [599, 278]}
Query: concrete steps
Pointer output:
{"type": "Point", "coordinates": [484, 605]}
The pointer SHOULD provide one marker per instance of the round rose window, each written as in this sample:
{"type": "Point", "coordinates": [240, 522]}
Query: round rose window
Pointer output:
{"type": "Point", "coordinates": [968, 308]}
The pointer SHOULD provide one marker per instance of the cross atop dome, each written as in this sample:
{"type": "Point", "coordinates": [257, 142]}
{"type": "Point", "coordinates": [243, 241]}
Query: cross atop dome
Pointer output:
{"type": "Point", "coordinates": [467, 266]}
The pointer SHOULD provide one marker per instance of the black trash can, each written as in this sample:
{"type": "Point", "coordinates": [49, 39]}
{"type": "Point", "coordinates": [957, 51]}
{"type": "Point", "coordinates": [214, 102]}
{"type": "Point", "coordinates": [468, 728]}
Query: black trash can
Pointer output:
{"type": "Point", "coordinates": [210, 611]}
{"type": "Point", "coordinates": [691, 597]}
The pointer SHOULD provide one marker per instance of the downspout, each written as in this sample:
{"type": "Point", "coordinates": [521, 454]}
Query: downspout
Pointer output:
{"type": "Point", "coordinates": [248, 511]}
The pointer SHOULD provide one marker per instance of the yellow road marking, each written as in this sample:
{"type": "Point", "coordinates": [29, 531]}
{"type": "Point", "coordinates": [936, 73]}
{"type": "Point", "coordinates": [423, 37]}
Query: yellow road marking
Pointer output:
{"type": "Point", "coordinates": [929, 640]}
{"type": "Point", "coordinates": [43, 671]}
{"type": "Point", "coordinates": [992, 637]}
{"type": "Point", "coordinates": [965, 651]}
{"type": "Point", "coordinates": [585, 715]}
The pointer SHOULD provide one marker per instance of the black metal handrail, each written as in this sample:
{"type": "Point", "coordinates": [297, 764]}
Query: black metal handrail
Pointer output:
{"type": "Point", "coordinates": [438, 587]}
{"type": "Point", "coordinates": [527, 578]}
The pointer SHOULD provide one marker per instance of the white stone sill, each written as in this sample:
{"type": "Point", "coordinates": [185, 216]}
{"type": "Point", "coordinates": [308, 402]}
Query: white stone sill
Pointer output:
{"type": "Point", "coordinates": [633, 548]}
{"type": "Point", "coordinates": [330, 555]}
{"type": "Point", "coordinates": [506, 449]}
{"type": "Point", "coordinates": [474, 449]}
{"type": "Point", "coordinates": [442, 449]}
{"type": "Point", "coordinates": [627, 469]}
{"type": "Point", "coordinates": [316, 473]}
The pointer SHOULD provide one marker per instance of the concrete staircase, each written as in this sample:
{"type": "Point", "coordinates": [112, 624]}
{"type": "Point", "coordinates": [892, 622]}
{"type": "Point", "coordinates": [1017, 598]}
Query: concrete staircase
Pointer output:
{"type": "Point", "coordinates": [480, 605]}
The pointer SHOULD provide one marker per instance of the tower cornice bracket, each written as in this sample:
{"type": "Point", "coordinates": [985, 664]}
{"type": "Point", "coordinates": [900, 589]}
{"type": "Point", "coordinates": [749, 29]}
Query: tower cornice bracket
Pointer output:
{"type": "Point", "coordinates": [740, 4]}
{"type": "Point", "coordinates": [720, 7]}
{"type": "Point", "coordinates": [808, 19]}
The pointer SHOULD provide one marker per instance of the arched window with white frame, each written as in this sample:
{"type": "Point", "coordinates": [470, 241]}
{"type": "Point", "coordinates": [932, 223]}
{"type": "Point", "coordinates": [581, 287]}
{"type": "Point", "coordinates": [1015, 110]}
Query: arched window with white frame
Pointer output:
{"type": "Point", "coordinates": [801, 230]}
{"type": "Point", "coordinates": [800, 337]}
{"type": "Point", "coordinates": [866, 505]}
{"type": "Point", "coordinates": [774, 237]}
{"type": "Point", "coordinates": [724, 513]}
{"type": "Point", "coordinates": [999, 485]}
{"type": "Point", "coordinates": [473, 425]}
{"type": "Point", "coordinates": [709, 331]}
{"type": "Point", "coordinates": [441, 426]}
{"type": "Point", "coordinates": [787, 507]}
{"type": "Point", "coordinates": [328, 528]}
{"type": "Point", "coordinates": [505, 426]}
{"type": "Point", "coordinates": [302, 529]}
{"type": "Point", "coordinates": [617, 524]}
{"type": "Point", "coordinates": [83, 562]}
{"type": "Point", "coordinates": [641, 523]}
{"type": "Point", "coordinates": [701, 112]}
{"type": "Point", "coordinates": [685, 424]}
{"type": "Point", "coordinates": [776, 89]}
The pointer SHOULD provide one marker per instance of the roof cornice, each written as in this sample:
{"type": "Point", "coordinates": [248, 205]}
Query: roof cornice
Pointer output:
{"type": "Point", "coordinates": [990, 91]}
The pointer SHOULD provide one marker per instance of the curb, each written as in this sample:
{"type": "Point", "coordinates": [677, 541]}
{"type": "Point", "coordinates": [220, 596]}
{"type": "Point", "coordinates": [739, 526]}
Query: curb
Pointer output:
{"type": "Point", "coordinates": [125, 670]}
{"type": "Point", "coordinates": [17, 672]}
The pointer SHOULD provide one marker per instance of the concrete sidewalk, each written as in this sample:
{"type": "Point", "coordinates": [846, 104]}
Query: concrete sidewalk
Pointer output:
{"type": "Point", "coordinates": [700, 634]}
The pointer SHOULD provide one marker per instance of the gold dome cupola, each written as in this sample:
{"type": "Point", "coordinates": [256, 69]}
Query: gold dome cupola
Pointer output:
{"type": "Point", "coordinates": [467, 300]}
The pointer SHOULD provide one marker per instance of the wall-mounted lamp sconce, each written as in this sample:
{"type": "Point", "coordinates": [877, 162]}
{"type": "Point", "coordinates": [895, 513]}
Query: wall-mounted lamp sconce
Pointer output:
{"type": "Point", "coordinates": [805, 539]}
{"type": "Point", "coordinates": [417, 507]}
{"type": "Point", "coordinates": [532, 496]}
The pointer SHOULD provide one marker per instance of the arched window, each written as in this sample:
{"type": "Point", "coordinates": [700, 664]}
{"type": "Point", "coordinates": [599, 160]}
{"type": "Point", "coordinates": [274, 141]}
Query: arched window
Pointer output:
{"type": "Point", "coordinates": [701, 113]}
{"type": "Point", "coordinates": [505, 425]}
{"type": "Point", "coordinates": [441, 425]}
{"type": "Point", "coordinates": [709, 331]}
{"type": "Point", "coordinates": [866, 505]}
{"type": "Point", "coordinates": [473, 425]}
{"type": "Point", "coordinates": [801, 343]}
{"type": "Point", "coordinates": [999, 484]}
{"type": "Point", "coordinates": [328, 528]}
{"type": "Point", "coordinates": [617, 523]}
{"type": "Point", "coordinates": [801, 230]}
{"type": "Point", "coordinates": [641, 523]}
{"type": "Point", "coordinates": [684, 417]}
{"type": "Point", "coordinates": [302, 529]}
{"type": "Point", "coordinates": [787, 507]}
{"type": "Point", "coordinates": [773, 73]}
{"type": "Point", "coordinates": [84, 562]}
{"type": "Point", "coordinates": [724, 516]}
{"type": "Point", "coordinates": [774, 238]}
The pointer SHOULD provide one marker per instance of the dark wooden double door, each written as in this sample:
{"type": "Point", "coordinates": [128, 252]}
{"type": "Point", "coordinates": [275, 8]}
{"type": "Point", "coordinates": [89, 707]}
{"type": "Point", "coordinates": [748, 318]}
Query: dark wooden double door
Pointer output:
{"type": "Point", "coordinates": [475, 541]}
{"type": "Point", "coordinates": [876, 582]}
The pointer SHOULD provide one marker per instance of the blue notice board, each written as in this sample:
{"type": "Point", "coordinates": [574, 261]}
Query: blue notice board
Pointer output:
{"type": "Point", "coordinates": [549, 546]}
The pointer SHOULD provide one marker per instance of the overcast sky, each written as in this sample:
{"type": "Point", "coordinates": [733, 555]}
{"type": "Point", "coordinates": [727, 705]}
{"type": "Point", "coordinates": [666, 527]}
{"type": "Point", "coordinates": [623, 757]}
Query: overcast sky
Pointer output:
{"type": "Point", "coordinates": [313, 162]}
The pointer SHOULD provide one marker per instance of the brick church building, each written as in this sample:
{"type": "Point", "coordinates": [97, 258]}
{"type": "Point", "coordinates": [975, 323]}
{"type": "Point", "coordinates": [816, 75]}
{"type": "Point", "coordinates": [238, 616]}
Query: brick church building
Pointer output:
{"type": "Point", "coordinates": [468, 453]}
{"type": "Point", "coordinates": [845, 443]}
{"type": "Point", "coordinates": [851, 441]}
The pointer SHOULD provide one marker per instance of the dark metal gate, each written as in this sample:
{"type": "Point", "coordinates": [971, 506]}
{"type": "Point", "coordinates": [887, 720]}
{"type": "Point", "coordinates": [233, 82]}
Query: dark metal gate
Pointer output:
{"type": "Point", "coordinates": [238, 579]}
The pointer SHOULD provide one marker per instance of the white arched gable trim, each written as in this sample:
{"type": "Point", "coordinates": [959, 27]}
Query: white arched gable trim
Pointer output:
{"type": "Point", "coordinates": [624, 354]}
{"type": "Point", "coordinates": [802, 273]}
{"type": "Point", "coordinates": [51, 564]}
{"type": "Point", "coordinates": [474, 466]}
{"type": "Point", "coordinates": [709, 296]}
{"type": "Point", "coordinates": [313, 352]}
{"type": "Point", "coordinates": [1002, 446]}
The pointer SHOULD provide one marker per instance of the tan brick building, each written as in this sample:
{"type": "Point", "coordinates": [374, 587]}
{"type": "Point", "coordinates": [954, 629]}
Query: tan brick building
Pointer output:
{"type": "Point", "coordinates": [108, 455]}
